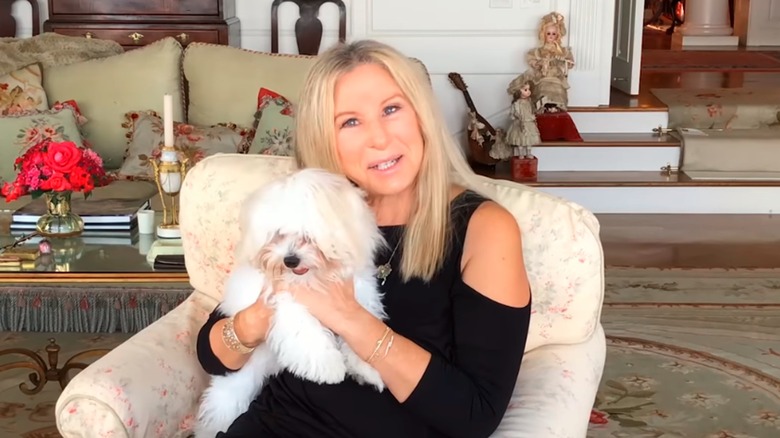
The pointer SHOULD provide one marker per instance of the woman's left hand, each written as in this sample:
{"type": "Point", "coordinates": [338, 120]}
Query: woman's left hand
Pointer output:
{"type": "Point", "coordinates": [332, 306]}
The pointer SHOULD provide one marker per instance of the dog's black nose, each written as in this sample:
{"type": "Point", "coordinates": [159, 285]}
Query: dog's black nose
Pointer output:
{"type": "Point", "coordinates": [292, 261]}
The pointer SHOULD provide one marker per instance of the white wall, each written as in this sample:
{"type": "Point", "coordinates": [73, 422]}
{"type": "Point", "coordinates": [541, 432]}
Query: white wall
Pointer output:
{"type": "Point", "coordinates": [486, 45]}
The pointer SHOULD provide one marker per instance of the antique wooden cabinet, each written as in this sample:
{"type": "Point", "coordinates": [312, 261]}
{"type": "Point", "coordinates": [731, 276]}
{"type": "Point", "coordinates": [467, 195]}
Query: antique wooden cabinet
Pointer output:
{"type": "Point", "coordinates": [135, 23]}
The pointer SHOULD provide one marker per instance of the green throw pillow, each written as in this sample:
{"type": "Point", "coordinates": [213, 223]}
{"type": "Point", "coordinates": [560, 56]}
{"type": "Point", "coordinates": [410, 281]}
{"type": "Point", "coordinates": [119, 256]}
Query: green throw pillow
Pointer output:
{"type": "Point", "coordinates": [273, 125]}
{"type": "Point", "coordinates": [22, 131]}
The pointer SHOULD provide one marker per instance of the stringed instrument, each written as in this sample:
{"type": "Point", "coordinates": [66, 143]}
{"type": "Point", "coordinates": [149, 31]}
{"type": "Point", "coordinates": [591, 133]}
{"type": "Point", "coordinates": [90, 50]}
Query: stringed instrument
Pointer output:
{"type": "Point", "coordinates": [479, 153]}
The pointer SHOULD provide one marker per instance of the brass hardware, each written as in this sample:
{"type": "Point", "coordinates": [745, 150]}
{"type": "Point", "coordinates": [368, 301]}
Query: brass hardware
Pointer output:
{"type": "Point", "coordinates": [136, 37]}
{"type": "Point", "coordinates": [89, 35]}
{"type": "Point", "coordinates": [668, 170]}
{"type": "Point", "coordinates": [183, 38]}
{"type": "Point", "coordinates": [44, 373]}
{"type": "Point", "coordinates": [660, 130]}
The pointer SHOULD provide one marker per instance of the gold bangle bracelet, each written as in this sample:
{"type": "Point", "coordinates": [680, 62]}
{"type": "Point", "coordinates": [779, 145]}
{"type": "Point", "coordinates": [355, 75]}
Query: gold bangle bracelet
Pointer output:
{"type": "Point", "coordinates": [230, 339]}
{"type": "Point", "coordinates": [379, 343]}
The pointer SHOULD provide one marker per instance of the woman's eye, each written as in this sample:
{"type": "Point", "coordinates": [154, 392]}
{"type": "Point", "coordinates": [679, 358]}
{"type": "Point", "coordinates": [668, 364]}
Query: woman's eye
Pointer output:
{"type": "Point", "coordinates": [391, 109]}
{"type": "Point", "coordinates": [349, 122]}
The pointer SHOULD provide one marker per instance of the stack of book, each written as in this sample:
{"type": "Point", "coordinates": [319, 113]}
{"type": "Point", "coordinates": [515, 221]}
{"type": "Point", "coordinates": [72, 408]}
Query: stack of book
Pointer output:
{"type": "Point", "coordinates": [109, 221]}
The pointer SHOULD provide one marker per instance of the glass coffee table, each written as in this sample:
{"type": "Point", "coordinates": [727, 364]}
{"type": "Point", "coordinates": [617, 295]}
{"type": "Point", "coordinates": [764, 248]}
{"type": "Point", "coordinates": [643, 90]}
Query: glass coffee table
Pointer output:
{"type": "Point", "coordinates": [88, 284]}
{"type": "Point", "coordinates": [90, 258]}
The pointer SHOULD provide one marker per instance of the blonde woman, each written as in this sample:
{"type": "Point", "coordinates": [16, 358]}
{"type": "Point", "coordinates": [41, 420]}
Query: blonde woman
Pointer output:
{"type": "Point", "coordinates": [455, 288]}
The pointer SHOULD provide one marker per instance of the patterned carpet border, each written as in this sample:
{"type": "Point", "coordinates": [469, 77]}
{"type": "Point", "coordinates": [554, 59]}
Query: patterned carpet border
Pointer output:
{"type": "Point", "coordinates": [710, 60]}
{"type": "Point", "coordinates": [707, 359]}
{"type": "Point", "coordinates": [86, 309]}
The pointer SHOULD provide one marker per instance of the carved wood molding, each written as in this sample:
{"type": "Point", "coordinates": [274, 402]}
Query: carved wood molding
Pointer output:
{"type": "Point", "coordinates": [308, 27]}
{"type": "Point", "coordinates": [8, 22]}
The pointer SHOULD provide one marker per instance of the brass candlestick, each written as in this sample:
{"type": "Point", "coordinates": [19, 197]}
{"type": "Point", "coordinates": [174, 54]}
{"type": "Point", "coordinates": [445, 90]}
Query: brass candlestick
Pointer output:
{"type": "Point", "coordinates": [169, 172]}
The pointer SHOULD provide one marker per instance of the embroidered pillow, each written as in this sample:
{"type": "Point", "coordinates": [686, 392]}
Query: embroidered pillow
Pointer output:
{"type": "Point", "coordinates": [273, 125]}
{"type": "Point", "coordinates": [145, 138]}
{"type": "Point", "coordinates": [25, 130]}
{"type": "Point", "coordinates": [22, 91]}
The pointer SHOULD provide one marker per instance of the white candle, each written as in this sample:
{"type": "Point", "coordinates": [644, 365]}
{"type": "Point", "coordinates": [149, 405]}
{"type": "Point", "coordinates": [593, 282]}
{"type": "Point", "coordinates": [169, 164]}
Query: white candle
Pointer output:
{"type": "Point", "coordinates": [168, 120]}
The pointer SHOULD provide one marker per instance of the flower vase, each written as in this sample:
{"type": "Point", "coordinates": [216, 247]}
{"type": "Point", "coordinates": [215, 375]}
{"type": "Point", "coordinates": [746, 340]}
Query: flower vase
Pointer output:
{"type": "Point", "coordinates": [59, 221]}
{"type": "Point", "coordinates": [525, 168]}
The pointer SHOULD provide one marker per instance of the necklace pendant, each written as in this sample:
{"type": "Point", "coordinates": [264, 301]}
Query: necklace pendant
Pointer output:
{"type": "Point", "coordinates": [382, 272]}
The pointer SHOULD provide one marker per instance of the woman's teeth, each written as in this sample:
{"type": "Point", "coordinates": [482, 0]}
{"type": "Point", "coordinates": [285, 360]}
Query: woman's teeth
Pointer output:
{"type": "Point", "coordinates": [386, 165]}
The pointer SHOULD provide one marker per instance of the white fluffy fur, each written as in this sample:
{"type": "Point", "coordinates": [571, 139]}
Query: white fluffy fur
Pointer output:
{"type": "Point", "coordinates": [324, 220]}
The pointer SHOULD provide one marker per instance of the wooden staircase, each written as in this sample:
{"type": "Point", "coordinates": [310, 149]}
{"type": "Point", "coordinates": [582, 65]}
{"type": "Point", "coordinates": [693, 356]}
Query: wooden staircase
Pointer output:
{"type": "Point", "coordinates": [611, 172]}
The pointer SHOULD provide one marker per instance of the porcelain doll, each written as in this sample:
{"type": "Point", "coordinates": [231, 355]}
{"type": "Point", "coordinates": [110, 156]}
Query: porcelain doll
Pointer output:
{"type": "Point", "coordinates": [550, 64]}
{"type": "Point", "coordinates": [501, 150]}
{"type": "Point", "coordinates": [523, 133]}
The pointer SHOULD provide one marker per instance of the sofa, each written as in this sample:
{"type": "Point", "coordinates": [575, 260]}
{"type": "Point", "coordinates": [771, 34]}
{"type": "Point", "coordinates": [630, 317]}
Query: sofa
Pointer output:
{"type": "Point", "coordinates": [101, 97]}
{"type": "Point", "coordinates": [149, 386]}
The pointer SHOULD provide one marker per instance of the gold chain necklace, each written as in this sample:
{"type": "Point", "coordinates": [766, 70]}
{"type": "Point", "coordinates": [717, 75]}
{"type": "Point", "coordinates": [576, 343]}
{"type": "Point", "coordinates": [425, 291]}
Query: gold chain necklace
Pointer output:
{"type": "Point", "coordinates": [383, 271]}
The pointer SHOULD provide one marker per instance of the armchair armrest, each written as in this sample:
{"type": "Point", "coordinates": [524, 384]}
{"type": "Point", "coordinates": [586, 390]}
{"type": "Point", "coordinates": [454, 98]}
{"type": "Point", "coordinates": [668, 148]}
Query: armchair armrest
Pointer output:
{"type": "Point", "coordinates": [146, 387]}
{"type": "Point", "coordinates": [555, 390]}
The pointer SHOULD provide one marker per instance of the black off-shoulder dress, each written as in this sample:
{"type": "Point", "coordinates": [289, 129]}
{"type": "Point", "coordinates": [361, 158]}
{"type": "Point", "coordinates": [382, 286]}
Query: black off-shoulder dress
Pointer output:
{"type": "Point", "coordinates": [476, 344]}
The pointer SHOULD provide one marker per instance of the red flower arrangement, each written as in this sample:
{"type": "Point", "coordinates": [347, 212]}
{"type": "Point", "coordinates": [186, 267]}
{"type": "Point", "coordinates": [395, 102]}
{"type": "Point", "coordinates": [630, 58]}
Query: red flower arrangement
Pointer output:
{"type": "Point", "coordinates": [55, 167]}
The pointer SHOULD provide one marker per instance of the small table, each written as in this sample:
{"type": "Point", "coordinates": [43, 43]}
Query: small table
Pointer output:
{"type": "Point", "coordinates": [90, 259]}
{"type": "Point", "coordinates": [92, 284]}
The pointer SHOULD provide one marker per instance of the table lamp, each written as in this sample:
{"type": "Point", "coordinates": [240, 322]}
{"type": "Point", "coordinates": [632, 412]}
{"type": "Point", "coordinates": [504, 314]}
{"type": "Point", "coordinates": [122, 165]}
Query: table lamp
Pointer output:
{"type": "Point", "coordinates": [169, 170]}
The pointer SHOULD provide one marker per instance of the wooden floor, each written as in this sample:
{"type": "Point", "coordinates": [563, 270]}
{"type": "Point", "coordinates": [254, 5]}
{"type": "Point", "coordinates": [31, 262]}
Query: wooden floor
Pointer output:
{"type": "Point", "coordinates": [652, 39]}
{"type": "Point", "coordinates": [671, 240]}
{"type": "Point", "coordinates": [691, 241]}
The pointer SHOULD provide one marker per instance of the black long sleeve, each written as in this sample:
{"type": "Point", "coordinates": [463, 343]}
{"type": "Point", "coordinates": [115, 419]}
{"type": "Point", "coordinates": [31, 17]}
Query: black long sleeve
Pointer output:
{"type": "Point", "coordinates": [208, 360]}
{"type": "Point", "coordinates": [468, 395]}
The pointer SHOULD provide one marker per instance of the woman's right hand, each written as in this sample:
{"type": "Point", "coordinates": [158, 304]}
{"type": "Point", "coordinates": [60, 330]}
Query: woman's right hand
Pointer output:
{"type": "Point", "coordinates": [251, 327]}
{"type": "Point", "coordinates": [252, 324]}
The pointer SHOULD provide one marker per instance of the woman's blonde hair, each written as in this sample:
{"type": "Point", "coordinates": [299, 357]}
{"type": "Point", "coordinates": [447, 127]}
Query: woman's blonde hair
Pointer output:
{"type": "Point", "coordinates": [427, 232]}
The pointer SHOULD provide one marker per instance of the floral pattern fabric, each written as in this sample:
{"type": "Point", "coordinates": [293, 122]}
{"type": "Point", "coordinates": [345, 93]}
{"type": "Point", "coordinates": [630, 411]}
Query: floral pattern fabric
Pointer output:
{"type": "Point", "coordinates": [145, 138]}
{"type": "Point", "coordinates": [721, 108]}
{"type": "Point", "coordinates": [22, 91]}
{"type": "Point", "coordinates": [147, 387]}
{"type": "Point", "coordinates": [273, 125]}
{"type": "Point", "coordinates": [30, 128]}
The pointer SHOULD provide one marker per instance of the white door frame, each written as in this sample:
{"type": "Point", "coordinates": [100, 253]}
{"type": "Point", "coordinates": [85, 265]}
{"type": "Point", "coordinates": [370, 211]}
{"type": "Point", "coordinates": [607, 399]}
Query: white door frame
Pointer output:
{"type": "Point", "coordinates": [627, 45]}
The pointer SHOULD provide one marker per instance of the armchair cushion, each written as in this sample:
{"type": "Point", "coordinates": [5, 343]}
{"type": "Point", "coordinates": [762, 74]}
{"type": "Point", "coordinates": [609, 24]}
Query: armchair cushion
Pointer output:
{"type": "Point", "coordinates": [555, 391]}
{"type": "Point", "coordinates": [147, 387]}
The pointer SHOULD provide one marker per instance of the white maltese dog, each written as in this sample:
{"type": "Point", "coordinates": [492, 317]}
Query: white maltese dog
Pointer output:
{"type": "Point", "coordinates": [309, 228]}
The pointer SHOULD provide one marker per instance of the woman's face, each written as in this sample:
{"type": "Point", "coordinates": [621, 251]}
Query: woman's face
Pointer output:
{"type": "Point", "coordinates": [378, 138]}
{"type": "Point", "coordinates": [551, 33]}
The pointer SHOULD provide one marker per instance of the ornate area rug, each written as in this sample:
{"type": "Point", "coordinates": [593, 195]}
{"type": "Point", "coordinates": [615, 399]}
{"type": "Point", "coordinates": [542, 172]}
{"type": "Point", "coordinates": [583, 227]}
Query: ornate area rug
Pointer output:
{"type": "Point", "coordinates": [32, 416]}
{"type": "Point", "coordinates": [691, 353]}
{"type": "Point", "coordinates": [721, 108]}
{"type": "Point", "coordinates": [710, 60]}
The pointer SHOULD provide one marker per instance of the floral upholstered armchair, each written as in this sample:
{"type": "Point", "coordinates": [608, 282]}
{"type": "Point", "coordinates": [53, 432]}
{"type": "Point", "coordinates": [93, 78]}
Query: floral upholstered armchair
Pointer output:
{"type": "Point", "coordinates": [149, 386]}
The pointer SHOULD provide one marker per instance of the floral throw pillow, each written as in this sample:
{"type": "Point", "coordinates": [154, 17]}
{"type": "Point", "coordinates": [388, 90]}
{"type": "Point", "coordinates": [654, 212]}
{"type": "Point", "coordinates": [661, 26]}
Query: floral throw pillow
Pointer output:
{"type": "Point", "coordinates": [22, 91]}
{"type": "Point", "coordinates": [273, 125]}
{"type": "Point", "coordinates": [145, 138]}
{"type": "Point", "coordinates": [30, 128]}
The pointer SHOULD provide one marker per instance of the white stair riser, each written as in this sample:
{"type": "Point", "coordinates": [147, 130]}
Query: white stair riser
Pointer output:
{"type": "Point", "coordinates": [599, 159]}
{"type": "Point", "coordinates": [691, 200]}
{"type": "Point", "coordinates": [591, 122]}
